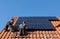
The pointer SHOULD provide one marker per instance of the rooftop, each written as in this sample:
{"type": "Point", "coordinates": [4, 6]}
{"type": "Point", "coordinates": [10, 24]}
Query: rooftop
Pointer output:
{"type": "Point", "coordinates": [36, 34]}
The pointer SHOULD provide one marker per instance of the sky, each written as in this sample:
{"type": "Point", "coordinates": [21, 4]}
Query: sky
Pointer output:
{"type": "Point", "coordinates": [10, 8]}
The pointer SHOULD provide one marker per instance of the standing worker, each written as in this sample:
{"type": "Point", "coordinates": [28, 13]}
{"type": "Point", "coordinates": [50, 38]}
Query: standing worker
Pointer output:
{"type": "Point", "coordinates": [22, 28]}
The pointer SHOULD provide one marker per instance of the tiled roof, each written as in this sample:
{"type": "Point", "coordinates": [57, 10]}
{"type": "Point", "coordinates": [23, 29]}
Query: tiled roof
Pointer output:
{"type": "Point", "coordinates": [38, 34]}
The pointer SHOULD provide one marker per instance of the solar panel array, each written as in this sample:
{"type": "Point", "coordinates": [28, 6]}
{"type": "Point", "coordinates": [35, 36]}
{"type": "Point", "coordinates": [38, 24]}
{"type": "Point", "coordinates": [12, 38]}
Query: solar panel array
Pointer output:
{"type": "Point", "coordinates": [37, 22]}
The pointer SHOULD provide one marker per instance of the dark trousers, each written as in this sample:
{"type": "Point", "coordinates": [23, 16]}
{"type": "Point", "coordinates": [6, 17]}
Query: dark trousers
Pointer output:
{"type": "Point", "coordinates": [11, 28]}
{"type": "Point", "coordinates": [6, 29]}
{"type": "Point", "coordinates": [23, 31]}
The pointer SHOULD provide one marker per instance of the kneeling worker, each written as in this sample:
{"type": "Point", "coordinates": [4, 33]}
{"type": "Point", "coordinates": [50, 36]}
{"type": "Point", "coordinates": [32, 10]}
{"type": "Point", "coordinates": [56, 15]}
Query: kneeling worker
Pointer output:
{"type": "Point", "coordinates": [10, 25]}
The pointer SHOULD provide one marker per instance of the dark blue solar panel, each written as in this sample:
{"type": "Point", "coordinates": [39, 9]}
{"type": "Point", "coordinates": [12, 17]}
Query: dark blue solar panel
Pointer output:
{"type": "Point", "coordinates": [37, 22]}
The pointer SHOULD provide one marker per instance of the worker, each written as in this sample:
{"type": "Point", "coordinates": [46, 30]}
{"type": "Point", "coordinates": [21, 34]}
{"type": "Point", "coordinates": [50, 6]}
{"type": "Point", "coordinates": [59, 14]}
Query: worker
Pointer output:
{"type": "Point", "coordinates": [22, 28]}
{"type": "Point", "coordinates": [10, 25]}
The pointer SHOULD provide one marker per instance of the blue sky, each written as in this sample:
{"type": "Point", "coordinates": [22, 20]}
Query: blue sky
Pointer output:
{"type": "Point", "coordinates": [9, 8]}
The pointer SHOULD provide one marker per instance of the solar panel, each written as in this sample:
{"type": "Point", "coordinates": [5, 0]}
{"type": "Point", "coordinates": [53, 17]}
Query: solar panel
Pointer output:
{"type": "Point", "coordinates": [37, 22]}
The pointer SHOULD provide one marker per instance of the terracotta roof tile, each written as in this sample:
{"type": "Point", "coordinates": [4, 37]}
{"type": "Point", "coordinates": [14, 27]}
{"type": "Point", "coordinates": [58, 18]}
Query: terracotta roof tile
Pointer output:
{"type": "Point", "coordinates": [35, 34]}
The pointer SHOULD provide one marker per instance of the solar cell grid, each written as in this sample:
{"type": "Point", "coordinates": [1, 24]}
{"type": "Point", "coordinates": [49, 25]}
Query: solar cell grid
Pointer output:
{"type": "Point", "coordinates": [36, 22]}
